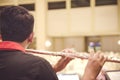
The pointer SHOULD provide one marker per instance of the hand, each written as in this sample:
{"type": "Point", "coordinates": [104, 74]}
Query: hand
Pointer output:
{"type": "Point", "coordinates": [62, 63]}
{"type": "Point", "coordinates": [94, 66]}
{"type": "Point", "coordinates": [102, 75]}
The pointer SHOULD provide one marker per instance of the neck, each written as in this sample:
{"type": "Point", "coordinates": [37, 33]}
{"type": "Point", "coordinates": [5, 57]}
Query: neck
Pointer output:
{"type": "Point", "coordinates": [24, 44]}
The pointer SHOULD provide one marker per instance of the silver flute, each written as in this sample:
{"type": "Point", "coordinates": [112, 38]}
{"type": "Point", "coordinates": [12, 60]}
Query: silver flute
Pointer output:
{"type": "Point", "coordinates": [71, 55]}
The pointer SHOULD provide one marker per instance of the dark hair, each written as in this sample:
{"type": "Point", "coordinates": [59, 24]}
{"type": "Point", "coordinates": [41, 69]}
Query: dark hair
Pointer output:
{"type": "Point", "coordinates": [16, 23]}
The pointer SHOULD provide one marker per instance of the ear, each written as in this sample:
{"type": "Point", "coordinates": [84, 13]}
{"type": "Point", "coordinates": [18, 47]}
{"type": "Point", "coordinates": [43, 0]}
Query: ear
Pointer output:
{"type": "Point", "coordinates": [30, 38]}
{"type": "Point", "coordinates": [0, 38]}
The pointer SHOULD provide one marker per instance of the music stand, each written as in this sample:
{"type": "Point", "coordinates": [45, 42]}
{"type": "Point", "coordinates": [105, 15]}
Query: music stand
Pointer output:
{"type": "Point", "coordinates": [112, 75]}
{"type": "Point", "coordinates": [68, 76]}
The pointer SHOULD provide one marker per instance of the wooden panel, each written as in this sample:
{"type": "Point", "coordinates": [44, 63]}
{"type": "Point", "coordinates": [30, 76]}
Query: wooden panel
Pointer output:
{"type": "Point", "coordinates": [57, 22]}
{"type": "Point", "coordinates": [106, 19]}
{"type": "Point", "coordinates": [80, 20]}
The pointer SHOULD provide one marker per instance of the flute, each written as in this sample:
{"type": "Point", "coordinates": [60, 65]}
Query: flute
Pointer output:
{"type": "Point", "coordinates": [71, 55]}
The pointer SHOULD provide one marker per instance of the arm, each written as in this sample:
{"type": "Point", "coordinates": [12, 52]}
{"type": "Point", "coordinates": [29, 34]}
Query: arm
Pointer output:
{"type": "Point", "coordinates": [62, 63]}
{"type": "Point", "coordinates": [94, 66]}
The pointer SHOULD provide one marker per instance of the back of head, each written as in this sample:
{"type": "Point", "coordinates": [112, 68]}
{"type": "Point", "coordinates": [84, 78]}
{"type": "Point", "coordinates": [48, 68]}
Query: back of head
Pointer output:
{"type": "Point", "coordinates": [16, 23]}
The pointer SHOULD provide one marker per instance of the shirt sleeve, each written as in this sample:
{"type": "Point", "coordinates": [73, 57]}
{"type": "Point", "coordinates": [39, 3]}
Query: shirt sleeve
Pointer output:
{"type": "Point", "coordinates": [46, 71]}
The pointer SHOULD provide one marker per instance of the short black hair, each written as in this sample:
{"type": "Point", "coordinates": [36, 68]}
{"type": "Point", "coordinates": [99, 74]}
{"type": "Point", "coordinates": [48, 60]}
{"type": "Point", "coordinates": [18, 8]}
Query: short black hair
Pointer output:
{"type": "Point", "coordinates": [16, 23]}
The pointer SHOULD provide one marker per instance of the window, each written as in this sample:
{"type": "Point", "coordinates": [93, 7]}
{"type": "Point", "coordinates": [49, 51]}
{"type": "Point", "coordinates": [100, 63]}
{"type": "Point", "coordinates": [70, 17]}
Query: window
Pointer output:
{"type": "Point", "coordinates": [30, 7]}
{"type": "Point", "coordinates": [105, 2]}
{"type": "Point", "coordinates": [56, 5]}
{"type": "Point", "coordinates": [80, 3]}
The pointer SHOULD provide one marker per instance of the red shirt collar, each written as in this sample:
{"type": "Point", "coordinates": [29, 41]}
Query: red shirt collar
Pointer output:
{"type": "Point", "coordinates": [9, 45]}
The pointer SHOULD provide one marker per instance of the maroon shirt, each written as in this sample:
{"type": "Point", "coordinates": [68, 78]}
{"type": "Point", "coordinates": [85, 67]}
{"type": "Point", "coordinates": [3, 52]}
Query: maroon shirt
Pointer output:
{"type": "Point", "coordinates": [15, 64]}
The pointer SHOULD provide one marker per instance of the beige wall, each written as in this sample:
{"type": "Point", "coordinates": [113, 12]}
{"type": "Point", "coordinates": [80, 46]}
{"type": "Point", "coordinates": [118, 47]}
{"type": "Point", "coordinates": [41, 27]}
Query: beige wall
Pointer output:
{"type": "Point", "coordinates": [110, 43]}
{"type": "Point", "coordinates": [63, 26]}
{"type": "Point", "coordinates": [77, 43]}
{"type": "Point", "coordinates": [80, 21]}
{"type": "Point", "coordinates": [106, 19]}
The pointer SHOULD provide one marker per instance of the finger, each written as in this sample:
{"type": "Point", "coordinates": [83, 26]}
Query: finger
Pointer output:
{"type": "Point", "coordinates": [65, 50]}
{"type": "Point", "coordinates": [102, 58]}
{"type": "Point", "coordinates": [105, 59]}
{"type": "Point", "coordinates": [72, 50]}
{"type": "Point", "coordinates": [65, 60]}
{"type": "Point", "coordinates": [98, 54]}
{"type": "Point", "coordinates": [92, 52]}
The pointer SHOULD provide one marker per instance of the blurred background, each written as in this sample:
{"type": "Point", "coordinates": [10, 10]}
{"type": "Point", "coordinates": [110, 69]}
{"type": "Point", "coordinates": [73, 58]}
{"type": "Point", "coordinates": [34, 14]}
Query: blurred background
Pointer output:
{"type": "Point", "coordinates": [78, 24]}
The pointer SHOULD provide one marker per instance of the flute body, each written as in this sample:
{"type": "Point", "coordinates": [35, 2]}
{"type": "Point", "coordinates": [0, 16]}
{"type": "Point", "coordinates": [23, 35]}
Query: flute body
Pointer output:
{"type": "Point", "coordinates": [76, 55]}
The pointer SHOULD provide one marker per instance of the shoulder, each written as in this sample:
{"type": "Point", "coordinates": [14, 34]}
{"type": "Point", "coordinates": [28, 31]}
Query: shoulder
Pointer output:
{"type": "Point", "coordinates": [32, 58]}
{"type": "Point", "coordinates": [42, 67]}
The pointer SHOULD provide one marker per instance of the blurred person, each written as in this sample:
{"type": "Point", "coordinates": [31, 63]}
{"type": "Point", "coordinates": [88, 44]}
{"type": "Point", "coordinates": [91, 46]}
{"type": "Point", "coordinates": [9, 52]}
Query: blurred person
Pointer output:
{"type": "Point", "coordinates": [16, 25]}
